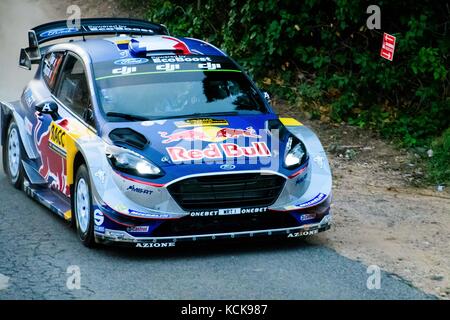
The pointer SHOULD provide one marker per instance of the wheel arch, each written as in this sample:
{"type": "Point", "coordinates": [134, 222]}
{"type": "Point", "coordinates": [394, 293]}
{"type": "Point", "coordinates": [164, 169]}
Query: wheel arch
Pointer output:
{"type": "Point", "coordinates": [9, 112]}
{"type": "Point", "coordinates": [78, 160]}
{"type": "Point", "coordinates": [5, 119]}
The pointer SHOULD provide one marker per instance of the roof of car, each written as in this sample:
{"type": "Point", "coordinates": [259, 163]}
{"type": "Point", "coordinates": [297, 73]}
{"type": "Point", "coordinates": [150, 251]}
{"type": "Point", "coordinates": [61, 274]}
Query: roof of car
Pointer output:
{"type": "Point", "coordinates": [113, 48]}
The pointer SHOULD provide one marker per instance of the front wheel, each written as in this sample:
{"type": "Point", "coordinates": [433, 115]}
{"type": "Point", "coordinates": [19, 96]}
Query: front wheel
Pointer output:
{"type": "Point", "coordinates": [82, 207]}
{"type": "Point", "coordinates": [13, 156]}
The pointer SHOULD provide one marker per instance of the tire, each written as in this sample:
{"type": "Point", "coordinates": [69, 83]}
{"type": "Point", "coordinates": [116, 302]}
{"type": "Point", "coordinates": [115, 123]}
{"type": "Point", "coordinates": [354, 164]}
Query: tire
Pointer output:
{"type": "Point", "coordinates": [82, 207]}
{"type": "Point", "coordinates": [12, 156]}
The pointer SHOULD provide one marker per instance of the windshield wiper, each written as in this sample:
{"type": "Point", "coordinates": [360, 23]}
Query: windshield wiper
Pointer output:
{"type": "Point", "coordinates": [127, 116]}
{"type": "Point", "coordinates": [198, 114]}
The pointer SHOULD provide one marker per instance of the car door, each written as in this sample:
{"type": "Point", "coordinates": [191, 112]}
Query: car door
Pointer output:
{"type": "Point", "coordinates": [58, 133]}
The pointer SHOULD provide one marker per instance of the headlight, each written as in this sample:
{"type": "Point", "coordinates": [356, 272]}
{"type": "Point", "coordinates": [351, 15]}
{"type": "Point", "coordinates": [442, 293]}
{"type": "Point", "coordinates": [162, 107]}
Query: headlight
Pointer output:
{"type": "Point", "coordinates": [132, 163]}
{"type": "Point", "coordinates": [296, 155]}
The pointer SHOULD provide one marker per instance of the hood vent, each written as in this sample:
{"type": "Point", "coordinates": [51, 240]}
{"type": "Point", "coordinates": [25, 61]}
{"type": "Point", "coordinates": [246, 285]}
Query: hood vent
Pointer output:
{"type": "Point", "coordinates": [127, 136]}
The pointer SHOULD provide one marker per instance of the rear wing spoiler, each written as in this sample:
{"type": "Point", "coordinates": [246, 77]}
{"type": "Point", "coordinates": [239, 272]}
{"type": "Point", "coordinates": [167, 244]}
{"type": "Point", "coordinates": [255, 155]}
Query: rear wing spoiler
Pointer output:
{"type": "Point", "coordinates": [88, 27]}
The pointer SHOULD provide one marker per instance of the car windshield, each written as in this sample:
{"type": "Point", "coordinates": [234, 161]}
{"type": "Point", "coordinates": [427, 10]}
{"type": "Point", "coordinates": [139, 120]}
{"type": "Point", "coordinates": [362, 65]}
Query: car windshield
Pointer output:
{"type": "Point", "coordinates": [161, 95]}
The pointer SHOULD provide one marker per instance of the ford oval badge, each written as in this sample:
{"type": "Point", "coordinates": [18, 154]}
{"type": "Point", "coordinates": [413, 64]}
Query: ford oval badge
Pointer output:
{"type": "Point", "coordinates": [227, 166]}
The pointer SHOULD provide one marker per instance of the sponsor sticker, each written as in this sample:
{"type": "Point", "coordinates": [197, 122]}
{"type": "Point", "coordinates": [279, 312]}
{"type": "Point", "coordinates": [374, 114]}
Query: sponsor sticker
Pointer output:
{"type": "Point", "coordinates": [139, 190]}
{"type": "Point", "coordinates": [317, 199]}
{"type": "Point", "coordinates": [200, 122]}
{"type": "Point", "coordinates": [146, 215]}
{"type": "Point", "coordinates": [308, 216]}
{"type": "Point", "coordinates": [99, 229]}
{"type": "Point", "coordinates": [57, 32]}
{"type": "Point", "coordinates": [169, 67]}
{"type": "Point", "coordinates": [130, 61]}
{"type": "Point", "coordinates": [209, 66]}
{"type": "Point", "coordinates": [155, 244]}
{"type": "Point", "coordinates": [57, 139]}
{"type": "Point", "coordinates": [227, 212]}
{"type": "Point", "coordinates": [303, 233]}
{"type": "Point", "coordinates": [227, 166]}
{"type": "Point", "coordinates": [53, 166]}
{"type": "Point", "coordinates": [138, 229]}
{"type": "Point", "coordinates": [124, 70]}
{"type": "Point", "coordinates": [116, 27]}
{"type": "Point", "coordinates": [98, 217]}
{"type": "Point", "coordinates": [174, 59]}
{"type": "Point", "coordinates": [213, 151]}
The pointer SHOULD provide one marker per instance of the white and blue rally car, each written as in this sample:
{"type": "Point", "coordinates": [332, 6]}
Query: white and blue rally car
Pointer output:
{"type": "Point", "coordinates": [141, 138]}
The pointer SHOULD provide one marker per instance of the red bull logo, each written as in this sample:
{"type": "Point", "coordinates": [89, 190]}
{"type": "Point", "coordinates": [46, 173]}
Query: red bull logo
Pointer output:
{"type": "Point", "coordinates": [209, 134]}
{"type": "Point", "coordinates": [213, 151]}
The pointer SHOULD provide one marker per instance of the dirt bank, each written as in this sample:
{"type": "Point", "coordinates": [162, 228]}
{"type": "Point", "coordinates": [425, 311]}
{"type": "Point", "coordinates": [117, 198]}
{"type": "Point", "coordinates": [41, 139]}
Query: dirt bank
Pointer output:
{"type": "Point", "coordinates": [379, 218]}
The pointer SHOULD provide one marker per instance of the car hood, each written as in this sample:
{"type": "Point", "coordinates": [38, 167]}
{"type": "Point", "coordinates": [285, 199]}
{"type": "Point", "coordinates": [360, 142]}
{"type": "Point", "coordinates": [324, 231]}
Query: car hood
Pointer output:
{"type": "Point", "coordinates": [197, 145]}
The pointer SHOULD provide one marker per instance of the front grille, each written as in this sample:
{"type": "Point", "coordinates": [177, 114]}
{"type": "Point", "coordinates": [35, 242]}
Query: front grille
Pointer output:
{"type": "Point", "coordinates": [225, 224]}
{"type": "Point", "coordinates": [227, 191]}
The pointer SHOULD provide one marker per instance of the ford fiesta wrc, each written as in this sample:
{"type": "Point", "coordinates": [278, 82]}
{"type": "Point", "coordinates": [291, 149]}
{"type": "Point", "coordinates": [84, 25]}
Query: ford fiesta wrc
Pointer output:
{"type": "Point", "coordinates": [140, 138]}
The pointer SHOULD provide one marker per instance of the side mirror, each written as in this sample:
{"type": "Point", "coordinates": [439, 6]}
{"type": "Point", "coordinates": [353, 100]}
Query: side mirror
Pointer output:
{"type": "Point", "coordinates": [24, 59]}
{"type": "Point", "coordinates": [32, 54]}
{"type": "Point", "coordinates": [266, 96]}
{"type": "Point", "coordinates": [48, 107]}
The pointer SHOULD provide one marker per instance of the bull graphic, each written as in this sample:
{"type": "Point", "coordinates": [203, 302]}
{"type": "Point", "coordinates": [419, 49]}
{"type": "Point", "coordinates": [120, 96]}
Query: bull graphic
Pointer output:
{"type": "Point", "coordinates": [53, 165]}
{"type": "Point", "coordinates": [208, 134]}
{"type": "Point", "coordinates": [186, 135]}
{"type": "Point", "coordinates": [236, 133]}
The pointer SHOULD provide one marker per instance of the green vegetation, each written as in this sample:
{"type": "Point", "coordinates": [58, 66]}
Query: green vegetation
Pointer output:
{"type": "Point", "coordinates": [315, 52]}
{"type": "Point", "coordinates": [439, 166]}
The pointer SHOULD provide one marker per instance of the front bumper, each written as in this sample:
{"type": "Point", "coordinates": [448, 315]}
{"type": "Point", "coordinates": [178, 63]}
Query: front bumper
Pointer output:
{"type": "Point", "coordinates": [122, 237]}
{"type": "Point", "coordinates": [142, 213]}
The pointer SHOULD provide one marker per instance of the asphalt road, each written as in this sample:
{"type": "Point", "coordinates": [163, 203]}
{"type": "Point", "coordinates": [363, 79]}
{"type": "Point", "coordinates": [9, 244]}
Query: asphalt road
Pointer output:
{"type": "Point", "coordinates": [37, 247]}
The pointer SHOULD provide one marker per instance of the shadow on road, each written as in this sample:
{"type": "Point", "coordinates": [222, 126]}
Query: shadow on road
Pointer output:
{"type": "Point", "coordinates": [209, 248]}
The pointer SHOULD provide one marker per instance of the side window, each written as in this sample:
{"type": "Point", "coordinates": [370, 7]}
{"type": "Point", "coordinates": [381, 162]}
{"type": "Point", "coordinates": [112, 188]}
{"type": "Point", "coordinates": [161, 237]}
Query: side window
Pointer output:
{"type": "Point", "coordinates": [52, 62]}
{"type": "Point", "coordinates": [73, 89]}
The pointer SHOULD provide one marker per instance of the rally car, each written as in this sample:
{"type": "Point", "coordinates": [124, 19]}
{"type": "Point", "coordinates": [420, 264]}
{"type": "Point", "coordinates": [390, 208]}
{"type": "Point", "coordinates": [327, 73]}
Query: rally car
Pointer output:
{"type": "Point", "coordinates": [140, 138]}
